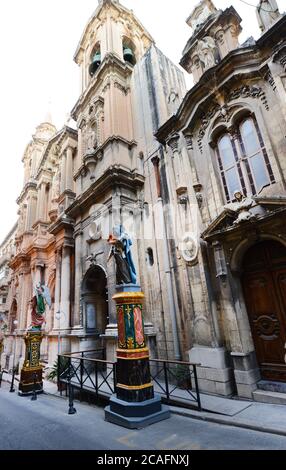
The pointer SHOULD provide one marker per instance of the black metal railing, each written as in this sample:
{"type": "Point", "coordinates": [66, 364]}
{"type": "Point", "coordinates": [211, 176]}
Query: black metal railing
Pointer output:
{"type": "Point", "coordinates": [175, 381]}
{"type": "Point", "coordinates": [86, 374]}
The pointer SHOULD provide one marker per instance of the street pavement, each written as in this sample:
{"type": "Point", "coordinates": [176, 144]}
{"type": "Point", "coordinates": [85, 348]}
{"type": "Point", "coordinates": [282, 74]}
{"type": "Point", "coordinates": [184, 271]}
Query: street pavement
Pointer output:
{"type": "Point", "coordinates": [45, 425]}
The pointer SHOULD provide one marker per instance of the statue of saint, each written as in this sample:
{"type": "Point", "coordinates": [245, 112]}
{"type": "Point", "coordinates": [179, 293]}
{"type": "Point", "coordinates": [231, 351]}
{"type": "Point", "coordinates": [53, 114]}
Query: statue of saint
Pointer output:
{"type": "Point", "coordinates": [92, 143]}
{"type": "Point", "coordinates": [241, 207]}
{"type": "Point", "coordinates": [121, 250]}
{"type": "Point", "coordinates": [38, 306]}
{"type": "Point", "coordinates": [208, 52]}
{"type": "Point", "coordinates": [267, 13]}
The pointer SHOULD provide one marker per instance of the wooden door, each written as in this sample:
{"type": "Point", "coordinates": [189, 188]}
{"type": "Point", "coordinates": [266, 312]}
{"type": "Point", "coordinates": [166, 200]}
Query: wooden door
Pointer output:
{"type": "Point", "coordinates": [264, 285]}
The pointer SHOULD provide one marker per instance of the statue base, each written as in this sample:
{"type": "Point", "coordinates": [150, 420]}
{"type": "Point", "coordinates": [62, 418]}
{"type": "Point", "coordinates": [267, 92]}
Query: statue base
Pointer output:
{"type": "Point", "coordinates": [136, 415]}
{"type": "Point", "coordinates": [134, 405]}
{"type": "Point", "coordinates": [31, 374]}
{"type": "Point", "coordinates": [30, 380]}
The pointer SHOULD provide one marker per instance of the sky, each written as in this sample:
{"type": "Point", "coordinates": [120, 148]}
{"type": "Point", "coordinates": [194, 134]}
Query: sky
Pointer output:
{"type": "Point", "coordinates": [37, 44]}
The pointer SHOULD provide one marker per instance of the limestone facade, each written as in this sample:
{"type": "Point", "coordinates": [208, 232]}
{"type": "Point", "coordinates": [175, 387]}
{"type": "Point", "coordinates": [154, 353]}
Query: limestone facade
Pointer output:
{"type": "Point", "coordinates": [7, 250]}
{"type": "Point", "coordinates": [196, 178]}
{"type": "Point", "coordinates": [234, 112]}
{"type": "Point", "coordinates": [80, 183]}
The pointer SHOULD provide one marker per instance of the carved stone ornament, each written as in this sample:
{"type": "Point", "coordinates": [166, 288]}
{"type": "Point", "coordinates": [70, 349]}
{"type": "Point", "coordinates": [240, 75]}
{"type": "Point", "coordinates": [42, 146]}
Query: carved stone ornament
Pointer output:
{"type": "Point", "coordinates": [173, 142]}
{"type": "Point", "coordinates": [205, 121]}
{"type": "Point", "coordinates": [189, 139]}
{"type": "Point", "coordinates": [241, 207]}
{"type": "Point", "coordinates": [248, 91]}
{"type": "Point", "coordinates": [208, 52]}
{"type": "Point", "coordinates": [95, 232]}
{"type": "Point", "coordinates": [189, 248]}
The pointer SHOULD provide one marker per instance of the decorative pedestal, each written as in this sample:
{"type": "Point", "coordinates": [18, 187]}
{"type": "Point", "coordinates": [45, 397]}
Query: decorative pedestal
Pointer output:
{"type": "Point", "coordinates": [31, 373]}
{"type": "Point", "coordinates": [135, 405]}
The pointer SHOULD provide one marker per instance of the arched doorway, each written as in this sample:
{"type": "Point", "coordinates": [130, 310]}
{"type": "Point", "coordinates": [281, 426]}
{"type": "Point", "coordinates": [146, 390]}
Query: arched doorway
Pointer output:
{"type": "Point", "coordinates": [264, 286]}
{"type": "Point", "coordinates": [94, 298]}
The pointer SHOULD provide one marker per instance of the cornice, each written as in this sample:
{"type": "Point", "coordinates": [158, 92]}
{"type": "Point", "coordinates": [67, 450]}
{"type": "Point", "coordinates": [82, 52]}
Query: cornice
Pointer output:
{"type": "Point", "coordinates": [31, 184]}
{"type": "Point", "coordinates": [113, 177]}
{"type": "Point", "coordinates": [237, 65]}
{"type": "Point", "coordinates": [63, 223]}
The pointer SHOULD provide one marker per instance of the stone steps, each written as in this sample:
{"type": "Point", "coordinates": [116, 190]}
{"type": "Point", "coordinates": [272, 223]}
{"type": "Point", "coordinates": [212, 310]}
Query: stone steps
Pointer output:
{"type": "Point", "coordinates": [271, 386]}
{"type": "Point", "coordinates": [264, 396]}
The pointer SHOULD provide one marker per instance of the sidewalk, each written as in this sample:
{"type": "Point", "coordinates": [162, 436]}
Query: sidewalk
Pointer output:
{"type": "Point", "coordinates": [239, 413]}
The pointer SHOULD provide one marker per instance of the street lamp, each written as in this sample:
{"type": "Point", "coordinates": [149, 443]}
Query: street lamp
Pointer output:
{"type": "Point", "coordinates": [15, 323]}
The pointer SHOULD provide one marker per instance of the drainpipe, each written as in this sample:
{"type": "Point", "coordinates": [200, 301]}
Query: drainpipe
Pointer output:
{"type": "Point", "coordinates": [167, 267]}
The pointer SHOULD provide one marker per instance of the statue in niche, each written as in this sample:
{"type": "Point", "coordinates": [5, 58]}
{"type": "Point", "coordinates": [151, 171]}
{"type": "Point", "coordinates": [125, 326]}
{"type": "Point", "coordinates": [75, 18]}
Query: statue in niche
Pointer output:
{"type": "Point", "coordinates": [241, 207]}
{"type": "Point", "coordinates": [56, 186]}
{"type": "Point", "coordinates": [92, 142]}
{"type": "Point", "coordinates": [267, 13]}
{"type": "Point", "coordinates": [208, 52]}
{"type": "Point", "coordinates": [121, 244]}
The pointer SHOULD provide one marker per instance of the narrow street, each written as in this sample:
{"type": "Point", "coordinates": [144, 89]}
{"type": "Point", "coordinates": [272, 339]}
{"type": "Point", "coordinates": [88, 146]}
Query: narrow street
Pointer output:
{"type": "Point", "coordinates": [45, 425]}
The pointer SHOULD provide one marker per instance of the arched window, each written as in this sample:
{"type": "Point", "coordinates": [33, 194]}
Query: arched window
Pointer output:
{"type": "Point", "coordinates": [95, 60]}
{"type": "Point", "coordinates": [128, 51]}
{"type": "Point", "coordinates": [150, 257]}
{"type": "Point", "coordinates": [229, 166]}
{"type": "Point", "coordinates": [243, 161]}
{"type": "Point", "coordinates": [255, 156]}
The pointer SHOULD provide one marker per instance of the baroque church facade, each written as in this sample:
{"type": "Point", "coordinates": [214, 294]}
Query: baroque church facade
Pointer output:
{"type": "Point", "coordinates": [197, 179]}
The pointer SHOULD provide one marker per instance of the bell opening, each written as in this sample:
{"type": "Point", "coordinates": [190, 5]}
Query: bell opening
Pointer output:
{"type": "Point", "coordinates": [128, 55]}
{"type": "Point", "coordinates": [96, 61]}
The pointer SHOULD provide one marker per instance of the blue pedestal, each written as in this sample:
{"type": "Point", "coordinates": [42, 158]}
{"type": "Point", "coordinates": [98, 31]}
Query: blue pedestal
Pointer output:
{"type": "Point", "coordinates": [136, 415]}
{"type": "Point", "coordinates": [128, 288]}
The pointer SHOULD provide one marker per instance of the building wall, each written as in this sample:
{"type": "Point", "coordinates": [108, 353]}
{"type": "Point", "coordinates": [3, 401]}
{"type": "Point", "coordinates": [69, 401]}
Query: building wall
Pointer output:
{"type": "Point", "coordinates": [244, 83]}
{"type": "Point", "coordinates": [166, 190]}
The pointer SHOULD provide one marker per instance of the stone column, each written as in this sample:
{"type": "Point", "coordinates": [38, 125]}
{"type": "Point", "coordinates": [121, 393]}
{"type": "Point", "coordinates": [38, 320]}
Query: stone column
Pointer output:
{"type": "Point", "coordinates": [41, 202]}
{"type": "Point", "coordinates": [33, 209]}
{"type": "Point", "coordinates": [65, 287]}
{"type": "Point", "coordinates": [78, 277]}
{"type": "Point", "coordinates": [57, 287]}
{"type": "Point", "coordinates": [155, 161]}
{"type": "Point", "coordinates": [63, 173]}
{"type": "Point", "coordinates": [69, 169]}
{"type": "Point", "coordinates": [189, 142]}
{"type": "Point", "coordinates": [27, 213]}
{"type": "Point", "coordinates": [173, 143]}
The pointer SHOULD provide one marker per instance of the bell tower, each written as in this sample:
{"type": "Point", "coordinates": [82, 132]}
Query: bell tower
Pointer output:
{"type": "Point", "coordinates": [112, 43]}
{"type": "Point", "coordinates": [112, 29]}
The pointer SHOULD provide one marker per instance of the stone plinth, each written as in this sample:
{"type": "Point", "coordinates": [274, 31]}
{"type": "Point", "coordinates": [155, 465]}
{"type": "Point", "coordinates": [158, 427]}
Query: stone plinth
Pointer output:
{"type": "Point", "coordinates": [32, 371]}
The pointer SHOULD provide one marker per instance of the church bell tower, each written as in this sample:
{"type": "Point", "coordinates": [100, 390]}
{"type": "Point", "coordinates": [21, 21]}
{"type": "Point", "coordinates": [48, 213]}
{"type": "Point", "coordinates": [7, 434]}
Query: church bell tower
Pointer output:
{"type": "Point", "coordinates": [112, 43]}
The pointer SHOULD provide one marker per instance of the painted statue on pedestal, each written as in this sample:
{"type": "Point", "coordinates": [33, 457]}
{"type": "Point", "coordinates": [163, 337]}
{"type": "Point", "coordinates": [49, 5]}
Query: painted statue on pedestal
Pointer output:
{"type": "Point", "coordinates": [121, 244]}
{"type": "Point", "coordinates": [38, 306]}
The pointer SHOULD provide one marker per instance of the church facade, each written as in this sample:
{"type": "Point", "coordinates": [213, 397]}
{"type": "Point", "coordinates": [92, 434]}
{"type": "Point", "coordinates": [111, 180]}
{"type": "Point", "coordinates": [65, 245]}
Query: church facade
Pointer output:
{"type": "Point", "coordinates": [229, 136]}
{"type": "Point", "coordinates": [198, 181]}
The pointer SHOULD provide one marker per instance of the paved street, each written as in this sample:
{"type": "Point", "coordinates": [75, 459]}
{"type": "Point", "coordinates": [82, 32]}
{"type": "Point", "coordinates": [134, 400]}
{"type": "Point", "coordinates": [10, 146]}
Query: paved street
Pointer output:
{"type": "Point", "coordinates": [44, 424]}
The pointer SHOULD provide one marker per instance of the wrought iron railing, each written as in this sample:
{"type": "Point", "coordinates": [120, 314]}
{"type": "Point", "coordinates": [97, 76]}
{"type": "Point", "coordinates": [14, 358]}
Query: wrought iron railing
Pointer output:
{"type": "Point", "coordinates": [175, 381]}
